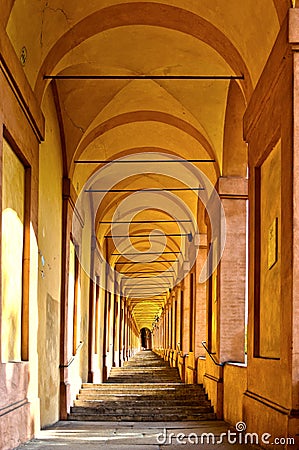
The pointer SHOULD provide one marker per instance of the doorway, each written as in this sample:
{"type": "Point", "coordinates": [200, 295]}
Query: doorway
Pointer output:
{"type": "Point", "coordinates": [145, 339]}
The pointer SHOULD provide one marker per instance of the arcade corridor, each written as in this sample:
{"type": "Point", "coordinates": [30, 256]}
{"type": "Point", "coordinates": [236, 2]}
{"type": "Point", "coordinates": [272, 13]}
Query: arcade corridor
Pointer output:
{"type": "Point", "coordinates": [150, 203]}
{"type": "Point", "coordinates": [141, 405]}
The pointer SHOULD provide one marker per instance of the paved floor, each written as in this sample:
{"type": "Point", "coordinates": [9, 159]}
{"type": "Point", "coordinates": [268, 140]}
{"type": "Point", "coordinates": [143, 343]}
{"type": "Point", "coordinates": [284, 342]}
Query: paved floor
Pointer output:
{"type": "Point", "coordinates": [135, 435]}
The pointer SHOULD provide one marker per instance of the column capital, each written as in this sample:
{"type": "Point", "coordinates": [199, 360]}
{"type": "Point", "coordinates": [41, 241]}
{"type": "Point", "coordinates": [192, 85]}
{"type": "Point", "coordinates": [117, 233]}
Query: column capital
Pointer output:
{"type": "Point", "coordinates": [181, 285]}
{"type": "Point", "coordinates": [167, 305]}
{"type": "Point", "coordinates": [293, 25]}
{"type": "Point", "coordinates": [202, 239]}
{"type": "Point", "coordinates": [233, 187]}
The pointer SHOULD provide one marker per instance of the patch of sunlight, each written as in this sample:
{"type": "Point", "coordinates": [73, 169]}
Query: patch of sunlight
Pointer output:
{"type": "Point", "coordinates": [12, 255]}
{"type": "Point", "coordinates": [9, 376]}
{"type": "Point", "coordinates": [125, 436]}
{"type": "Point", "coordinates": [71, 438]}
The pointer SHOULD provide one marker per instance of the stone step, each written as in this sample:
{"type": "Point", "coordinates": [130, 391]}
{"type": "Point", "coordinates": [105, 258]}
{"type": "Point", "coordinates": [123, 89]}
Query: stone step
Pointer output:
{"type": "Point", "coordinates": [146, 389]}
{"type": "Point", "coordinates": [144, 386]}
{"type": "Point", "coordinates": [151, 393]}
{"type": "Point", "coordinates": [144, 368]}
{"type": "Point", "coordinates": [135, 373]}
{"type": "Point", "coordinates": [132, 403]}
{"type": "Point", "coordinates": [143, 414]}
{"type": "Point", "coordinates": [142, 371]}
{"type": "Point", "coordinates": [139, 381]}
{"type": "Point", "coordinates": [172, 417]}
{"type": "Point", "coordinates": [156, 386]}
{"type": "Point", "coordinates": [144, 377]}
{"type": "Point", "coordinates": [152, 398]}
{"type": "Point", "coordinates": [127, 389]}
{"type": "Point", "coordinates": [152, 374]}
{"type": "Point", "coordinates": [152, 390]}
{"type": "Point", "coordinates": [162, 376]}
{"type": "Point", "coordinates": [120, 408]}
{"type": "Point", "coordinates": [144, 364]}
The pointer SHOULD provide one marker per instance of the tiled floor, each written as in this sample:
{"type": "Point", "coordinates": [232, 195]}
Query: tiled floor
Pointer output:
{"type": "Point", "coordinates": [133, 435]}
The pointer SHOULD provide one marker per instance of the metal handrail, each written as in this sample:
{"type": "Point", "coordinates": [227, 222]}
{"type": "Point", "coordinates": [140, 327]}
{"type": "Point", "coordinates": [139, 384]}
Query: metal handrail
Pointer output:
{"type": "Point", "coordinates": [203, 343]}
{"type": "Point", "coordinates": [72, 359]}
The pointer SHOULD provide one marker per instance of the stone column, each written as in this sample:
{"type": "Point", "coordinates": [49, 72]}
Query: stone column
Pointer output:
{"type": "Point", "coordinates": [125, 331]}
{"type": "Point", "coordinates": [165, 327]}
{"type": "Point", "coordinates": [232, 271]}
{"type": "Point", "coordinates": [226, 291]}
{"type": "Point", "coordinates": [104, 347]}
{"type": "Point", "coordinates": [67, 214]}
{"type": "Point", "coordinates": [91, 331]}
{"type": "Point", "coordinates": [163, 330]}
{"type": "Point", "coordinates": [106, 327]}
{"type": "Point", "coordinates": [201, 299]}
{"type": "Point", "coordinates": [185, 314]}
{"type": "Point", "coordinates": [294, 40]}
{"type": "Point", "coordinates": [169, 323]}
{"type": "Point", "coordinates": [129, 332]}
{"type": "Point", "coordinates": [116, 329]}
{"type": "Point", "coordinates": [120, 332]}
{"type": "Point", "coordinates": [91, 315]}
{"type": "Point", "coordinates": [174, 311]}
{"type": "Point", "coordinates": [179, 308]}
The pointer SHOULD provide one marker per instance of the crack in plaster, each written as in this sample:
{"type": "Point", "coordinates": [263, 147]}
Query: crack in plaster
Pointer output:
{"type": "Point", "coordinates": [55, 10]}
{"type": "Point", "coordinates": [73, 123]}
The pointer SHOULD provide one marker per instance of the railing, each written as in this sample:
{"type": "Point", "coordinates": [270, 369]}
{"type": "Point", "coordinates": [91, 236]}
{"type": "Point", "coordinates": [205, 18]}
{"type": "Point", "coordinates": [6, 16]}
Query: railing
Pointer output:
{"type": "Point", "coordinates": [211, 355]}
{"type": "Point", "coordinates": [214, 360]}
{"type": "Point", "coordinates": [72, 359]}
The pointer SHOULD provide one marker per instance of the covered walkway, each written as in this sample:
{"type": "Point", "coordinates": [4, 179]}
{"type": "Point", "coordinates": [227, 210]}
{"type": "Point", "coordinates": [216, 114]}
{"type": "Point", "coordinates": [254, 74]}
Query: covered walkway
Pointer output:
{"type": "Point", "coordinates": [149, 193]}
{"type": "Point", "coordinates": [143, 405]}
{"type": "Point", "coordinates": [145, 389]}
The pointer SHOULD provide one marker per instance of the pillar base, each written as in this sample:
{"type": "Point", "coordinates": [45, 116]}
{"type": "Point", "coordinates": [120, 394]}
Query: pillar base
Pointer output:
{"type": "Point", "coordinates": [262, 416]}
{"type": "Point", "coordinates": [90, 376]}
{"type": "Point", "coordinates": [65, 399]}
{"type": "Point", "coordinates": [214, 387]}
{"type": "Point", "coordinates": [191, 369]}
{"type": "Point", "coordinates": [105, 374]}
{"type": "Point", "coordinates": [182, 366]}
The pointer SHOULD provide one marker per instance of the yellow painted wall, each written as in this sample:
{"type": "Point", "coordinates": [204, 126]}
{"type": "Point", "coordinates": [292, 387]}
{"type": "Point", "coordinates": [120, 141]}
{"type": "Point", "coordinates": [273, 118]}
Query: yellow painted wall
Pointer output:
{"type": "Point", "coordinates": [49, 275]}
{"type": "Point", "coordinates": [214, 312]}
{"type": "Point", "coordinates": [84, 304]}
{"type": "Point", "coordinates": [234, 387]}
{"type": "Point", "coordinates": [12, 253]}
{"type": "Point", "coordinates": [270, 292]}
{"type": "Point", "coordinates": [77, 332]}
{"type": "Point", "coordinates": [71, 297]}
{"type": "Point", "coordinates": [201, 369]}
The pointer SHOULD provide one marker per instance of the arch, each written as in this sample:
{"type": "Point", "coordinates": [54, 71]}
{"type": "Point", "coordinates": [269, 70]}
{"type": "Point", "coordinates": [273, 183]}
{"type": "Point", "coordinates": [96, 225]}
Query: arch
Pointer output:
{"type": "Point", "coordinates": [144, 13]}
{"type": "Point", "coordinates": [145, 241]}
{"type": "Point", "coordinates": [146, 338]}
{"type": "Point", "coordinates": [5, 11]}
{"type": "Point", "coordinates": [213, 175]}
{"type": "Point", "coordinates": [147, 116]}
{"type": "Point", "coordinates": [234, 146]}
{"type": "Point", "coordinates": [282, 7]}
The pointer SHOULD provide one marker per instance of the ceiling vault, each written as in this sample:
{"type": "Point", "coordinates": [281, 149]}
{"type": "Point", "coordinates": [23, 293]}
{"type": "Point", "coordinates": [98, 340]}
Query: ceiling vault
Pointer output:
{"type": "Point", "coordinates": [152, 93]}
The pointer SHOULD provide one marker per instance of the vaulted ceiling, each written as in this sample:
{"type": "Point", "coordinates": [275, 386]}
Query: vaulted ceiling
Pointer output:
{"type": "Point", "coordinates": [109, 118]}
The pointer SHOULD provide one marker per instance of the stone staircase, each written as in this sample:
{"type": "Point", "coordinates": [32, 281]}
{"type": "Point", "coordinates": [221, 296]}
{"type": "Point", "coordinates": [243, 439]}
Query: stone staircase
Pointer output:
{"type": "Point", "coordinates": [145, 389]}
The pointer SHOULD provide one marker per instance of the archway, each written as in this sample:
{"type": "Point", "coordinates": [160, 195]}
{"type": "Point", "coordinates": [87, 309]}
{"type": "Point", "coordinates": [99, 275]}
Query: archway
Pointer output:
{"type": "Point", "coordinates": [145, 339]}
